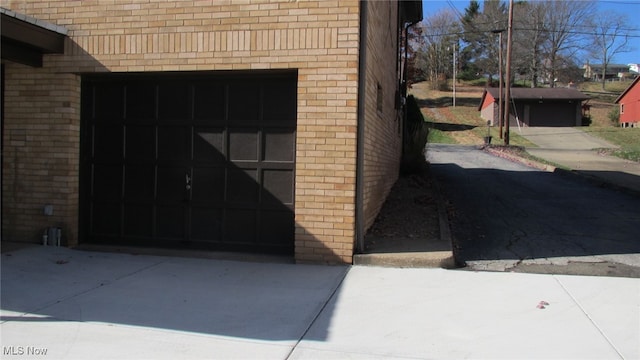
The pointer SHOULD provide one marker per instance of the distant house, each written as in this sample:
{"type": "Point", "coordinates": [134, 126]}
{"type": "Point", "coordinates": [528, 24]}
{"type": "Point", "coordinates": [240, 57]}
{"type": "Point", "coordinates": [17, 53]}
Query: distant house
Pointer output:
{"type": "Point", "coordinates": [593, 72]}
{"type": "Point", "coordinates": [536, 107]}
{"type": "Point", "coordinates": [629, 102]}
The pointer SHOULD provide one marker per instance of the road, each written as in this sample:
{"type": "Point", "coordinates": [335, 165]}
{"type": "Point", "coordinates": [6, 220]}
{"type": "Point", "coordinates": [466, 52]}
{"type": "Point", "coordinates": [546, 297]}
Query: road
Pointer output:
{"type": "Point", "coordinates": [508, 217]}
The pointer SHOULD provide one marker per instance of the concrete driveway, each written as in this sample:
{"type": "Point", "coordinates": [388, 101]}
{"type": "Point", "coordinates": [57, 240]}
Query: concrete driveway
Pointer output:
{"type": "Point", "coordinates": [562, 138]}
{"type": "Point", "coordinates": [574, 149]}
{"type": "Point", "coordinates": [67, 304]}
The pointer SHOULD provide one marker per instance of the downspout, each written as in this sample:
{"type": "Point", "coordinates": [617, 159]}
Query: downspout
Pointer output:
{"type": "Point", "coordinates": [362, 67]}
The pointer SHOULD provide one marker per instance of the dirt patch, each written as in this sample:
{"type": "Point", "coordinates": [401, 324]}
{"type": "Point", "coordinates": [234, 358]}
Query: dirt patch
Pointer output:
{"type": "Point", "coordinates": [408, 220]}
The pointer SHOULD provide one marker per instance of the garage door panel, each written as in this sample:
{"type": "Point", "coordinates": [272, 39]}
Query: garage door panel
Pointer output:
{"type": "Point", "coordinates": [209, 103]}
{"type": "Point", "coordinates": [170, 222]}
{"type": "Point", "coordinates": [209, 145]}
{"type": "Point", "coordinates": [107, 182]}
{"type": "Point", "coordinates": [279, 107]}
{"type": "Point", "coordinates": [139, 182]}
{"type": "Point", "coordinates": [140, 143]}
{"type": "Point", "coordinates": [138, 220]}
{"type": "Point", "coordinates": [244, 103]}
{"type": "Point", "coordinates": [243, 145]}
{"type": "Point", "coordinates": [242, 185]}
{"type": "Point", "coordinates": [172, 184]}
{"type": "Point", "coordinates": [206, 224]}
{"type": "Point", "coordinates": [278, 187]}
{"type": "Point", "coordinates": [279, 145]}
{"type": "Point", "coordinates": [108, 143]}
{"type": "Point", "coordinates": [140, 103]}
{"type": "Point", "coordinates": [105, 218]}
{"type": "Point", "coordinates": [277, 227]}
{"type": "Point", "coordinates": [242, 225]}
{"type": "Point", "coordinates": [208, 186]}
{"type": "Point", "coordinates": [108, 102]}
{"type": "Point", "coordinates": [173, 143]}
{"type": "Point", "coordinates": [174, 102]}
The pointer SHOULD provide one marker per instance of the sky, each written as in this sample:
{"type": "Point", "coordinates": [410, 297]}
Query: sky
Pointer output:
{"type": "Point", "coordinates": [628, 7]}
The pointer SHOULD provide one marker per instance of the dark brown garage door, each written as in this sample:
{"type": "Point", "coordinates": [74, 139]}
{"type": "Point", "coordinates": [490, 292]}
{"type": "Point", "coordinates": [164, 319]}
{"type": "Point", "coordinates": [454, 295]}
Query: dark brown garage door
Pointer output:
{"type": "Point", "coordinates": [553, 114]}
{"type": "Point", "coordinates": [202, 160]}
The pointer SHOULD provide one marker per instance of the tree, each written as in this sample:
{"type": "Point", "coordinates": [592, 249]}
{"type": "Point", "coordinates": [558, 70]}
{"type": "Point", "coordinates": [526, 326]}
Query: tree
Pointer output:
{"type": "Point", "coordinates": [561, 19]}
{"type": "Point", "coordinates": [479, 34]}
{"type": "Point", "coordinates": [439, 34]}
{"type": "Point", "coordinates": [529, 37]}
{"type": "Point", "coordinates": [610, 37]}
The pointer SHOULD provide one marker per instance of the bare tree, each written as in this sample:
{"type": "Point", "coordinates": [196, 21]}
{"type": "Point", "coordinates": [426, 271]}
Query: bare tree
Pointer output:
{"type": "Point", "coordinates": [561, 20]}
{"type": "Point", "coordinates": [610, 37]}
{"type": "Point", "coordinates": [439, 33]}
{"type": "Point", "coordinates": [530, 34]}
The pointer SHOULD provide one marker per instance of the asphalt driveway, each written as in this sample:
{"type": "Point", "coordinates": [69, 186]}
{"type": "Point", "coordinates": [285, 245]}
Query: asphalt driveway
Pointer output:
{"type": "Point", "coordinates": [507, 216]}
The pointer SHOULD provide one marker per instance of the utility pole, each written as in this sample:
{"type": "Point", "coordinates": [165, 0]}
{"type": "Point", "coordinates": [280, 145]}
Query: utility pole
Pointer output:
{"type": "Point", "coordinates": [507, 90]}
{"type": "Point", "coordinates": [454, 74]}
{"type": "Point", "coordinates": [501, 80]}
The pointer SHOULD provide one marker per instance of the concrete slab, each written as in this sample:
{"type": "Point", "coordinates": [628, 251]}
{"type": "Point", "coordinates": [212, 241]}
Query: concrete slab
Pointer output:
{"type": "Point", "coordinates": [615, 313]}
{"type": "Point", "coordinates": [50, 338]}
{"type": "Point", "coordinates": [115, 306]}
{"type": "Point", "coordinates": [55, 298]}
{"type": "Point", "coordinates": [40, 276]}
{"type": "Point", "coordinates": [434, 313]}
{"type": "Point", "coordinates": [562, 138]}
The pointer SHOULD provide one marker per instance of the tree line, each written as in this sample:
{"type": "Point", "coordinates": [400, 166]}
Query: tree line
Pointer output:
{"type": "Point", "coordinates": [552, 39]}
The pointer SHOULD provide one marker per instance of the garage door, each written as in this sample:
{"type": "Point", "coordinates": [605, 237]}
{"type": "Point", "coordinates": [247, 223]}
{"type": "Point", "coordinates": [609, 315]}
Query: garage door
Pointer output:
{"type": "Point", "coordinates": [201, 160]}
{"type": "Point", "coordinates": [553, 114]}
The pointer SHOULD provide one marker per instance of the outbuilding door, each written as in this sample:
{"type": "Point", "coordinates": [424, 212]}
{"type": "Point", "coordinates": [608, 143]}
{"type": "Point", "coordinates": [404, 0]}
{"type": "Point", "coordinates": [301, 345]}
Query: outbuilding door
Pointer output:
{"type": "Point", "coordinates": [553, 114]}
{"type": "Point", "coordinates": [197, 160]}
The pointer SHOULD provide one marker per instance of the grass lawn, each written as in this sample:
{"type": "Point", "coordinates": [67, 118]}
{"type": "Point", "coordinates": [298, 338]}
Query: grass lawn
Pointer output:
{"type": "Point", "coordinates": [462, 124]}
{"type": "Point", "coordinates": [628, 139]}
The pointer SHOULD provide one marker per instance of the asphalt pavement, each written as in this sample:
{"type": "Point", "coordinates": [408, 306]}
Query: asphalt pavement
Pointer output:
{"type": "Point", "coordinates": [59, 303]}
{"type": "Point", "coordinates": [507, 216]}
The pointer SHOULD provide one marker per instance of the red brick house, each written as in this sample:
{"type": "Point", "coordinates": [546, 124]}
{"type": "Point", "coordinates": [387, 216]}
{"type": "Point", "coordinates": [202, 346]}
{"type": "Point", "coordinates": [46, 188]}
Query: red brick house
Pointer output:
{"type": "Point", "coordinates": [536, 107]}
{"type": "Point", "coordinates": [226, 125]}
{"type": "Point", "coordinates": [629, 102]}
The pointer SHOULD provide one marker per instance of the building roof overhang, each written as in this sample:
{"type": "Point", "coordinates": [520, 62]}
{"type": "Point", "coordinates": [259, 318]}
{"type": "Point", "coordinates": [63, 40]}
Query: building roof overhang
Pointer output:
{"type": "Point", "coordinates": [410, 11]}
{"type": "Point", "coordinates": [26, 39]}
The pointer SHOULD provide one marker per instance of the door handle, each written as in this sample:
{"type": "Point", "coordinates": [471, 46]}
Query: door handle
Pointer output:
{"type": "Point", "coordinates": [187, 179]}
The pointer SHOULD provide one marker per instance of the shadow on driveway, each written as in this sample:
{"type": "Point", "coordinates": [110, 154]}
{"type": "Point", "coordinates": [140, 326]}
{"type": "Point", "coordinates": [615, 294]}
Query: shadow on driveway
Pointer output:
{"type": "Point", "coordinates": [520, 215]}
{"type": "Point", "coordinates": [232, 299]}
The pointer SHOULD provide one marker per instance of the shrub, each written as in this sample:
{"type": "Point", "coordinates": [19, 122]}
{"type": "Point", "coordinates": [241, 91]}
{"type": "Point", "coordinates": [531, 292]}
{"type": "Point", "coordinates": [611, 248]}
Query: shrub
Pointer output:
{"type": "Point", "coordinates": [614, 115]}
{"type": "Point", "coordinates": [415, 140]}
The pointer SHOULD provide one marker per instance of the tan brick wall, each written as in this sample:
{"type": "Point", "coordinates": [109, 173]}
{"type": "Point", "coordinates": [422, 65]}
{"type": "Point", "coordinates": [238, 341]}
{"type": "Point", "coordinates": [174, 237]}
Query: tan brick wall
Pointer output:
{"type": "Point", "coordinates": [382, 135]}
{"type": "Point", "coordinates": [319, 38]}
{"type": "Point", "coordinates": [40, 153]}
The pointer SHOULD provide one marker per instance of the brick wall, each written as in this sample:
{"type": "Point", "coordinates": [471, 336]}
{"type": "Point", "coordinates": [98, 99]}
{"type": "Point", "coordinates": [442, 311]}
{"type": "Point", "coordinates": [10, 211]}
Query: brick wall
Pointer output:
{"type": "Point", "coordinates": [382, 131]}
{"type": "Point", "coordinates": [40, 153]}
{"type": "Point", "coordinates": [319, 38]}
